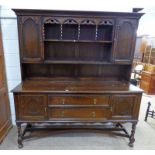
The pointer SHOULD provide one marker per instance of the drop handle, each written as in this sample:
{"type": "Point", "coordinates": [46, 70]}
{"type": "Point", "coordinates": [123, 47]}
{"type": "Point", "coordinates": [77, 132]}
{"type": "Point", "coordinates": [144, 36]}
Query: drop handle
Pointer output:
{"type": "Point", "coordinates": [62, 114]}
{"type": "Point", "coordinates": [111, 108]}
{"type": "Point", "coordinates": [63, 101]}
{"type": "Point", "coordinates": [45, 109]}
{"type": "Point", "coordinates": [93, 114]}
{"type": "Point", "coordinates": [95, 101]}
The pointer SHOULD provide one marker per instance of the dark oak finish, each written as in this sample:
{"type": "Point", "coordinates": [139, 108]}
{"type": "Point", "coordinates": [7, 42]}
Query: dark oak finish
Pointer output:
{"type": "Point", "coordinates": [125, 40]}
{"type": "Point", "coordinates": [5, 114]}
{"type": "Point", "coordinates": [32, 107]}
{"type": "Point", "coordinates": [76, 68]}
{"type": "Point", "coordinates": [30, 34]}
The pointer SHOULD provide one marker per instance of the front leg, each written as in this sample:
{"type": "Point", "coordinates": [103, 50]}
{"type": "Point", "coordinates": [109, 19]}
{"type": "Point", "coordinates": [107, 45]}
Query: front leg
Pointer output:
{"type": "Point", "coordinates": [20, 137]}
{"type": "Point", "coordinates": [131, 138]}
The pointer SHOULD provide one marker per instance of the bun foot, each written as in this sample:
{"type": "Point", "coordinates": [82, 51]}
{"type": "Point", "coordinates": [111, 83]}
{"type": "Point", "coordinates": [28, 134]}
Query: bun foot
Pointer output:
{"type": "Point", "coordinates": [20, 146]}
{"type": "Point", "coordinates": [131, 144]}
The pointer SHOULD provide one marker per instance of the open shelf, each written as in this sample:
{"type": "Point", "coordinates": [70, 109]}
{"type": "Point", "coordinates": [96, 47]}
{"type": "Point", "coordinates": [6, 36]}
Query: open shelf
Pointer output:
{"type": "Point", "coordinates": [85, 41]}
{"type": "Point", "coordinates": [75, 62]}
{"type": "Point", "coordinates": [71, 30]}
{"type": "Point", "coordinates": [85, 51]}
{"type": "Point", "coordinates": [87, 32]}
{"type": "Point", "coordinates": [104, 71]}
{"type": "Point", "coordinates": [104, 32]}
{"type": "Point", "coordinates": [52, 31]}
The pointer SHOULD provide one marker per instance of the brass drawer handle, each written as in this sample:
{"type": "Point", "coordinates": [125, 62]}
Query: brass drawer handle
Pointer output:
{"type": "Point", "coordinates": [45, 109]}
{"type": "Point", "coordinates": [95, 101]}
{"type": "Point", "coordinates": [63, 101]}
{"type": "Point", "coordinates": [62, 114]}
{"type": "Point", "coordinates": [111, 108]}
{"type": "Point", "coordinates": [93, 114]}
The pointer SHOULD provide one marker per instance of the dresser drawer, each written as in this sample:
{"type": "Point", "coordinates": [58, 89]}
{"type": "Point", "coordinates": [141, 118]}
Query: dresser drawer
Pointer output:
{"type": "Point", "coordinates": [82, 112]}
{"type": "Point", "coordinates": [78, 100]}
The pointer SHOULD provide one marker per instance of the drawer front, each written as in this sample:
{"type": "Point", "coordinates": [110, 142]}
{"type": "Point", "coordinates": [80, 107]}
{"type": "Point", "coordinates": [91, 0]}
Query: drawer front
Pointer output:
{"type": "Point", "coordinates": [78, 100]}
{"type": "Point", "coordinates": [75, 113]}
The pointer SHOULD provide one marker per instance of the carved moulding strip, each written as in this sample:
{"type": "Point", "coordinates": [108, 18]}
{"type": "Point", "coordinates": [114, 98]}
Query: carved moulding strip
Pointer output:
{"type": "Point", "coordinates": [70, 21]}
{"type": "Point", "coordinates": [88, 22]}
{"type": "Point", "coordinates": [106, 22]}
{"type": "Point", "coordinates": [51, 21]}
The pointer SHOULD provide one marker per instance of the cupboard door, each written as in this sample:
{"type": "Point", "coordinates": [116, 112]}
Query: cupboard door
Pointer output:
{"type": "Point", "coordinates": [32, 107]}
{"type": "Point", "coordinates": [30, 38]}
{"type": "Point", "coordinates": [125, 40]}
{"type": "Point", "coordinates": [124, 106]}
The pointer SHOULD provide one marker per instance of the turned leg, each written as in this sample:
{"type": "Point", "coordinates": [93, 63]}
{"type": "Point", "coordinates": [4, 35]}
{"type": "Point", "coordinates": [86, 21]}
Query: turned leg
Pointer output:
{"type": "Point", "coordinates": [20, 144]}
{"type": "Point", "coordinates": [28, 126]}
{"type": "Point", "coordinates": [131, 138]}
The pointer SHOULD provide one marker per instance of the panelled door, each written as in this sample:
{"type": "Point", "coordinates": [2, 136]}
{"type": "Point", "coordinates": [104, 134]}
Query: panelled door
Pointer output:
{"type": "Point", "coordinates": [5, 115]}
{"type": "Point", "coordinates": [32, 107]}
{"type": "Point", "coordinates": [124, 106]}
{"type": "Point", "coordinates": [125, 36]}
{"type": "Point", "coordinates": [30, 38]}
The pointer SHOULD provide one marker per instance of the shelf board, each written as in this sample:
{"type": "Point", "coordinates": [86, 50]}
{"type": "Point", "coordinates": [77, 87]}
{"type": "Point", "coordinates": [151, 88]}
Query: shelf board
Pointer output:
{"type": "Point", "coordinates": [74, 62]}
{"type": "Point", "coordinates": [83, 41]}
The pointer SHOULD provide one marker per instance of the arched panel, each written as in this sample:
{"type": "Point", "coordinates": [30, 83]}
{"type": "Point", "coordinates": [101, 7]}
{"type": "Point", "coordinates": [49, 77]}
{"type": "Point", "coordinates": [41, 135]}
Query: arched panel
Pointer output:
{"type": "Point", "coordinates": [30, 37]}
{"type": "Point", "coordinates": [70, 30]}
{"type": "Point", "coordinates": [125, 39]}
{"type": "Point", "coordinates": [87, 30]}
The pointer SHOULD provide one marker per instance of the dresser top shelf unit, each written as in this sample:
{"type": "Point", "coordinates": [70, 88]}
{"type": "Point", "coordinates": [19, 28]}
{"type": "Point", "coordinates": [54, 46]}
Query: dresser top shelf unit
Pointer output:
{"type": "Point", "coordinates": [76, 44]}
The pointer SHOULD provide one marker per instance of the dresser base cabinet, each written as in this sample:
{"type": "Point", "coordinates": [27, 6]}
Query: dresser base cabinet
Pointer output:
{"type": "Point", "coordinates": [84, 111]}
{"type": "Point", "coordinates": [75, 69]}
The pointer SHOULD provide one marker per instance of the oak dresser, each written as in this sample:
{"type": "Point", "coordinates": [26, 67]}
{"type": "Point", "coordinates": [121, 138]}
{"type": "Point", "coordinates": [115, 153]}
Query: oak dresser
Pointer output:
{"type": "Point", "coordinates": [75, 68]}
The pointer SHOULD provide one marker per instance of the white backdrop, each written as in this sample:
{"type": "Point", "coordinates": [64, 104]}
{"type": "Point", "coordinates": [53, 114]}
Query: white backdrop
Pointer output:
{"type": "Point", "coordinates": [147, 22]}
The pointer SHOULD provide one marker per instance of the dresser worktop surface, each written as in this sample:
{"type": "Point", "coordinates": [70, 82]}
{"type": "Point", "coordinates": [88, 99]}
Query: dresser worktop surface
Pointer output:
{"type": "Point", "coordinates": [78, 86]}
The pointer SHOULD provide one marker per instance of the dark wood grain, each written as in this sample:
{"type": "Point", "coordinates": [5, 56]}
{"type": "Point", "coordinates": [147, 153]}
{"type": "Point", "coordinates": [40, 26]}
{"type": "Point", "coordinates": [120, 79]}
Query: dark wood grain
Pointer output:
{"type": "Point", "coordinates": [125, 43]}
{"type": "Point", "coordinates": [29, 28]}
{"type": "Point", "coordinates": [76, 69]}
